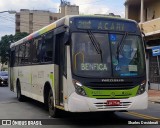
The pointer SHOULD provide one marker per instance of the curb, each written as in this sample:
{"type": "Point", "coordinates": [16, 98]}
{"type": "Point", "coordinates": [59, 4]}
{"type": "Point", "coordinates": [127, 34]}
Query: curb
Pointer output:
{"type": "Point", "coordinates": [153, 101]}
{"type": "Point", "coordinates": [158, 102]}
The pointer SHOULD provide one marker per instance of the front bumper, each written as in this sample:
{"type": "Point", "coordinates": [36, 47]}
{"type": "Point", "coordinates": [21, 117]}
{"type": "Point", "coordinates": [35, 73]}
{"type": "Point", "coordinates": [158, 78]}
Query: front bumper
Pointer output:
{"type": "Point", "coordinates": [77, 103]}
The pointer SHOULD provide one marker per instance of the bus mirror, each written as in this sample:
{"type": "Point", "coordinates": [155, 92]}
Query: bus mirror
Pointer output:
{"type": "Point", "coordinates": [66, 38]}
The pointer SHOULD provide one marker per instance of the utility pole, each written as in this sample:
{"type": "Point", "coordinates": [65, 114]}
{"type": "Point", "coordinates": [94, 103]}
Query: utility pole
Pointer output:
{"type": "Point", "coordinates": [142, 11]}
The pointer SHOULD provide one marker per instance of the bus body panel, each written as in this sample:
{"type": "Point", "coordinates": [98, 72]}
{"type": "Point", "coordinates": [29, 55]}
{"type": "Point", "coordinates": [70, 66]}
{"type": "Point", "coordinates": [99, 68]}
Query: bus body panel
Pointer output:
{"type": "Point", "coordinates": [33, 78]}
{"type": "Point", "coordinates": [79, 103]}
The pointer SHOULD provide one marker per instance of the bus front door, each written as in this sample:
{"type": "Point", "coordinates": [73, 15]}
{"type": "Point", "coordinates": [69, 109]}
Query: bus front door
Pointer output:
{"type": "Point", "coordinates": [59, 49]}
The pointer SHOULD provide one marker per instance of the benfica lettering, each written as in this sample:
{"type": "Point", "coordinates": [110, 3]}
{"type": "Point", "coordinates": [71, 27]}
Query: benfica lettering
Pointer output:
{"type": "Point", "coordinates": [93, 67]}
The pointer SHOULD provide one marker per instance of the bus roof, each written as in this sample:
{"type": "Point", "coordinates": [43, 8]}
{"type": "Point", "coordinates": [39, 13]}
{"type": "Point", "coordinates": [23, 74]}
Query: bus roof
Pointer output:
{"type": "Point", "coordinates": [60, 22]}
{"type": "Point", "coordinates": [102, 16]}
{"type": "Point", "coordinates": [41, 31]}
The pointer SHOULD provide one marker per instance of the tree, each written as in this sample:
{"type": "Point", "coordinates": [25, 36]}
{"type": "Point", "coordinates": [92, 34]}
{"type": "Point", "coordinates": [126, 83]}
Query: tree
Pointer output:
{"type": "Point", "coordinates": [4, 47]}
{"type": "Point", "coordinates": [5, 44]}
{"type": "Point", "coordinates": [20, 35]}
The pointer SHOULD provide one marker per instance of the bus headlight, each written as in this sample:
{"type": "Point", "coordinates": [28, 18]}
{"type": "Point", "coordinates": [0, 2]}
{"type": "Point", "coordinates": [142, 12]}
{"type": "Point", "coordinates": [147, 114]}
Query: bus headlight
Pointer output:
{"type": "Point", "coordinates": [79, 88]}
{"type": "Point", "coordinates": [142, 88]}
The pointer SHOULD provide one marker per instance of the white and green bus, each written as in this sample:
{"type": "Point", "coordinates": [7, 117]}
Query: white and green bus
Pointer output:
{"type": "Point", "coordinates": [82, 64]}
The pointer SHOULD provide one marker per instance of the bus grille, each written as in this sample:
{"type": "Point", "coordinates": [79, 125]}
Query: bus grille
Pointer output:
{"type": "Point", "coordinates": [112, 86]}
{"type": "Point", "coordinates": [103, 105]}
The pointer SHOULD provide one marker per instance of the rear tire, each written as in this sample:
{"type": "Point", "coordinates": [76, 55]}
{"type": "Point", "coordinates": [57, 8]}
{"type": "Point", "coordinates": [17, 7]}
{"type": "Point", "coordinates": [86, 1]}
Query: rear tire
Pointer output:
{"type": "Point", "coordinates": [20, 97]}
{"type": "Point", "coordinates": [53, 111]}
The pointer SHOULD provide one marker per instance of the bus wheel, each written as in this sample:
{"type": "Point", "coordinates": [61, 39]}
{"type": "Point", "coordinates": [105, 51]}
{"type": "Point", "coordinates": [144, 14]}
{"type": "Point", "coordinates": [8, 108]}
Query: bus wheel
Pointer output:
{"type": "Point", "coordinates": [20, 97]}
{"type": "Point", "coordinates": [53, 111]}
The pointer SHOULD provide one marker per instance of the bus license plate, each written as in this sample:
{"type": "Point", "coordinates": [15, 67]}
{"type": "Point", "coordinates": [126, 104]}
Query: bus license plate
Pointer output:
{"type": "Point", "coordinates": [113, 102]}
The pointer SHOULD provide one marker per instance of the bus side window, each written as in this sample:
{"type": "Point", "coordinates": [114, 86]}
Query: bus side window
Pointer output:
{"type": "Point", "coordinates": [47, 48]}
{"type": "Point", "coordinates": [36, 48]}
{"type": "Point", "coordinates": [16, 55]}
{"type": "Point", "coordinates": [61, 53]}
{"type": "Point", "coordinates": [27, 56]}
{"type": "Point", "coordinates": [21, 53]}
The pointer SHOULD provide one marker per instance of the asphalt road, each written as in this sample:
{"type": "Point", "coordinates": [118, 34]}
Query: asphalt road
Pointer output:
{"type": "Point", "coordinates": [10, 108]}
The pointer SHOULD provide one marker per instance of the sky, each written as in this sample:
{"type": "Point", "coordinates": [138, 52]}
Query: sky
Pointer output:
{"type": "Point", "coordinates": [7, 21]}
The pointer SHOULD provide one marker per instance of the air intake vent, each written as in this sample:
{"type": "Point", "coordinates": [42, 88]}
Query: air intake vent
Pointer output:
{"type": "Point", "coordinates": [111, 85]}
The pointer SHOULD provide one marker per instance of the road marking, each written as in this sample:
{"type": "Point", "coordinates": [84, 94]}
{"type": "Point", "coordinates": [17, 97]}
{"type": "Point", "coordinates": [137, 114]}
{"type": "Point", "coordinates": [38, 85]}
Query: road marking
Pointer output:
{"type": "Point", "coordinates": [143, 116]}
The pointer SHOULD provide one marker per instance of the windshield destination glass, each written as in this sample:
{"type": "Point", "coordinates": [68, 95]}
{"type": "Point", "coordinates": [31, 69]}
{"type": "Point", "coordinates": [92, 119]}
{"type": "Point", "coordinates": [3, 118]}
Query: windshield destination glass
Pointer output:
{"type": "Point", "coordinates": [121, 56]}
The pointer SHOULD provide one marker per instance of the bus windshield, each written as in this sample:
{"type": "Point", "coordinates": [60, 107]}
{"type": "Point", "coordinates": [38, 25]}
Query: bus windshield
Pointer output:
{"type": "Point", "coordinates": [121, 55]}
{"type": "Point", "coordinates": [127, 55]}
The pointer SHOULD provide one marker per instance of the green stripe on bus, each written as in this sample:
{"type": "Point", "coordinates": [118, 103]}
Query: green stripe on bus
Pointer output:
{"type": "Point", "coordinates": [111, 93]}
{"type": "Point", "coordinates": [52, 78]}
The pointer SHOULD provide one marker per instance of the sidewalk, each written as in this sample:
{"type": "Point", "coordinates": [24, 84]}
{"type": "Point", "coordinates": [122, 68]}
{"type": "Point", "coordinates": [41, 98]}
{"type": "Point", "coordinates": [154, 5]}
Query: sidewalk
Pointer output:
{"type": "Point", "coordinates": [154, 96]}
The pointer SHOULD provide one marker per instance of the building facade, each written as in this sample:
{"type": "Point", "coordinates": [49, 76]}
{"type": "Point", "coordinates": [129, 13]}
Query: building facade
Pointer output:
{"type": "Point", "coordinates": [33, 20]}
{"type": "Point", "coordinates": [147, 13]}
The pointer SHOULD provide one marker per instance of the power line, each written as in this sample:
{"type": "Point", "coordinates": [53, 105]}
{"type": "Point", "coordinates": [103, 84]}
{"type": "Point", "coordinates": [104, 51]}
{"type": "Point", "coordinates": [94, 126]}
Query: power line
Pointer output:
{"type": "Point", "coordinates": [6, 18]}
{"type": "Point", "coordinates": [26, 23]}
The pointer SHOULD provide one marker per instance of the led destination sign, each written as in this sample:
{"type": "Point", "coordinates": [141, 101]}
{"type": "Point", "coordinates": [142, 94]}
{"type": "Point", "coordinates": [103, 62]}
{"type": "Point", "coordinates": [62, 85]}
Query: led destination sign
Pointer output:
{"type": "Point", "coordinates": [104, 24]}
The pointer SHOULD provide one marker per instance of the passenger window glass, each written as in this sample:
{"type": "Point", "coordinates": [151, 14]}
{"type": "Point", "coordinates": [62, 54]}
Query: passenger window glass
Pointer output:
{"type": "Point", "coordinates": [21, 53]}
{"type": "Point", "coordinates": [16, 55]}
{"type": "Point", "coordinates": [47, 48]}
{"type": "Point", "coordinates": [27, 57]}
{"type": "Point", "coordinates": [36, 48]}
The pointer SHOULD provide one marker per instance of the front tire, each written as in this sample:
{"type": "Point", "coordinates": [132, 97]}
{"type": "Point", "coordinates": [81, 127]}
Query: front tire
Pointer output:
{"type": "Point", "coordinates": [53, 111]}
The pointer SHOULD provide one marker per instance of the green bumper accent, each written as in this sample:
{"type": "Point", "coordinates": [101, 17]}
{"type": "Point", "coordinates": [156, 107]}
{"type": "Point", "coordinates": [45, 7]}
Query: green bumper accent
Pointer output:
{"type": "Point", "coordinates": [111, 94]}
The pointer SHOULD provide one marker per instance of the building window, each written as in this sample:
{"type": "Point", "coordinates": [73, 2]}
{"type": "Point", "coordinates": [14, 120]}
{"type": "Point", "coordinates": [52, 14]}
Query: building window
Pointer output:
{"type": "Point", "coordinates": [17, 23]}
{"type": "Point", "coordinates": [51, 18]}
{"type": "Point", "coordinates": [150, 14]}
{"type": "Point", "coordinates": [55, 18]}
{"type": "Point", "coordinates": [17, 30]}
{"type": "Point", "coordinates": [18, 16]}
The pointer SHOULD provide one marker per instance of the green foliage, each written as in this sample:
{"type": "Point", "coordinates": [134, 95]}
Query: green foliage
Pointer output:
{"type": "Point", "coordinates": [20, 35]}
{"type": "Point", "coordinates": [5, 44]}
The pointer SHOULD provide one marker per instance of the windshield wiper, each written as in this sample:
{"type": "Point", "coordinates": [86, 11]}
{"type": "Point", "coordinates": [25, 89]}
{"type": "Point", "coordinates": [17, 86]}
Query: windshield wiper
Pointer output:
{"type": "Point", "coordinates": [95, 43]}
{"type": "Point", "coordinates": [120, 44]}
